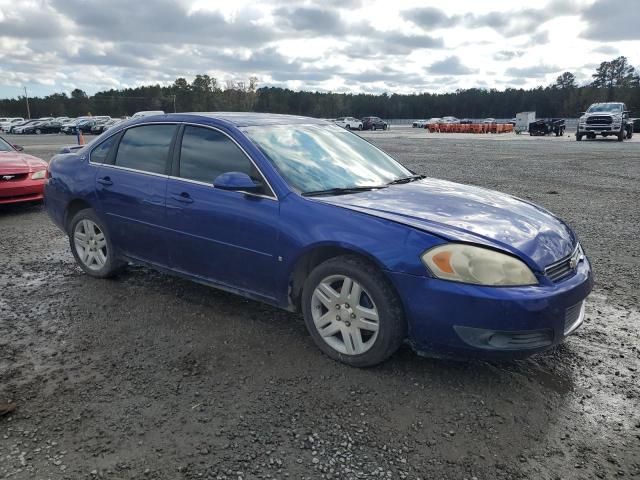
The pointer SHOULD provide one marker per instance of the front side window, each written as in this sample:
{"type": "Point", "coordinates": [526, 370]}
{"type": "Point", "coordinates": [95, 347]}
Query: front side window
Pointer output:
{"type": "Point", "coordinates": [206, 153]}
{"type": "Point", "coordinates": [146, 148]}
{"type": "Point", "coordinates": [101, 152]}
{"type": "Point", "coordinates": [322, 157]}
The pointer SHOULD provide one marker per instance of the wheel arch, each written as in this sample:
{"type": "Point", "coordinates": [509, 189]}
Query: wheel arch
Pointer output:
{"type": "Point", "coordinates": [313, 256]}
{"type": "Point", "coordinates": [73, 207]}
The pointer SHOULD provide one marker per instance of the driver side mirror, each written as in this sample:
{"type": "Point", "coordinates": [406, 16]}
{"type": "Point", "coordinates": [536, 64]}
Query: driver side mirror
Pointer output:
{"type": "Point", "coordinates": [627, 112]}
{"type": "Point", "coordinates": [235, 181]}
{"type": "Point", "coordinates": [581, 113]}
{"type": "Point", "coordinates": [18, 148]}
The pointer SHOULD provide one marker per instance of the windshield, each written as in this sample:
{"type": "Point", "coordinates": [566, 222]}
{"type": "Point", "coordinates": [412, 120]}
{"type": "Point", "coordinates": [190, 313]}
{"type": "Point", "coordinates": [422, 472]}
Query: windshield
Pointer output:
{"type": "Point", "coordinates": [4, 146]}
{"type": "Point", "coordinates": [605, 107]}
{"type": "Point", "coordinates": [322, 157]}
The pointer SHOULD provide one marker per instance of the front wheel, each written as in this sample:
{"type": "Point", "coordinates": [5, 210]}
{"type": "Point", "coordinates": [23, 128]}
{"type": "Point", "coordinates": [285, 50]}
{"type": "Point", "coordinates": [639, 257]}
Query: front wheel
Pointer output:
{"type": "Point", "coordinates": [578, 137]}
{"type": "Point", "coordinates": [348, 127]}
{"type": "Point", "coordinates": [91, 245]}
{"type": "Point", "coordinates": [352, 312]}
{"type": "Point", "coordinates": [622, 134]}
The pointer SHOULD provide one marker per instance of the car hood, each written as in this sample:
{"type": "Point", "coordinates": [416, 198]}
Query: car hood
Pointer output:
{"type": "Point", "coordinates": [465, 213]}
{"type": "Point", "coordinates": [15, 162]}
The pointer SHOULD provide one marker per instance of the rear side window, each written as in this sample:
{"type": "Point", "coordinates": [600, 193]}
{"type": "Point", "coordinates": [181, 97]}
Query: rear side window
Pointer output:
{"type": "Point", "coordinates": [207, 153]}
{"type": "Point", "coordinates": [101, 152]}
{"type": "Point", "coordinates": [146, 148]}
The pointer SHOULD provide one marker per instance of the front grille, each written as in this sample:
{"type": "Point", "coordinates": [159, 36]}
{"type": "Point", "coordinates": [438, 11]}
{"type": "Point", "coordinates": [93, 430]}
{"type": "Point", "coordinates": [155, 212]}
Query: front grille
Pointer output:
{"type": "Point", "coordinates": [599, 119]}
{"type": "Point", "coordinates": [565, 267]}
{"type": "Point", "coordinates": [573, 317]}
{"type": "Point", "coordinates": [13, 177]}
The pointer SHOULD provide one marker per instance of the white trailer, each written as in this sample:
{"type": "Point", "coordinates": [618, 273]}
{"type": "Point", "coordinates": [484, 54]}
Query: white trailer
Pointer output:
{"type": "Point", "coordinates": [523, 119]}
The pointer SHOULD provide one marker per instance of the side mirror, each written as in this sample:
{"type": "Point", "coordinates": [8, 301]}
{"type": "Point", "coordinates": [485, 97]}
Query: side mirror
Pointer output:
{"type": "Point", "coordinates": [18, 148]}
{"type": "Point", "coordinates": [581, 113]}
{"type": "Point", "coordinates": [235, 181]}
{"type": "Point", "coordinates": [627, 112]}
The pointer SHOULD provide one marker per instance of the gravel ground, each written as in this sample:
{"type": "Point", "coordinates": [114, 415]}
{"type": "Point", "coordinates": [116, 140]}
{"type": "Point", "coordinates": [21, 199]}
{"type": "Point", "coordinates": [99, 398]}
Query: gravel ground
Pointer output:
{"type": "Point", "coordinates": [149, 376]}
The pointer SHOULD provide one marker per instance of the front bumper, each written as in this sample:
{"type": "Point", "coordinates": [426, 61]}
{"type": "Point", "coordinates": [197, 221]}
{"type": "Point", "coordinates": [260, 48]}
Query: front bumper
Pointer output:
{"type": "Point", "coordinates": [452, 318]}
{"type": "Point", "coordinates": [21, 191]}
{"type": "Point", "coordinates": [605, 128]}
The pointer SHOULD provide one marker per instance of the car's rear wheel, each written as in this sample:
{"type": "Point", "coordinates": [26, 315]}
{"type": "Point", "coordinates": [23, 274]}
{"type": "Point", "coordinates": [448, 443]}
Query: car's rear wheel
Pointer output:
{"type": "Point", "coordinates": [352, 312]}
{"type": "Point", "coordinates": [91, 245]}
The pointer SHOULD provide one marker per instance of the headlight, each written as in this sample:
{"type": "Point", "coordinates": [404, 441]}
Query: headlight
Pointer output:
{"type": "Point", "coordinates": [481, 266]}
{"type": "Point", "coordinates": [39, 175]}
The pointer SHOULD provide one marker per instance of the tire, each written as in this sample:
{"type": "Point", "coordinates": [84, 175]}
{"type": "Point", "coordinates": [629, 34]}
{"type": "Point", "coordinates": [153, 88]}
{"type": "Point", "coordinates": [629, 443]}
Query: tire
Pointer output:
{"type": "Point", "coordinates": [324, 293]}
{"type": "Point", "coordinates": [101, 261]}
{"type": "Point", "coordinates": [38, 131]}
{"type": "Point", "coordinates": [359, 128]}
{"type": "Point", "coordinates": [622, 134]}
{"type": "Point", "coordinates": [348, 127]}
{"type": "Point", "coordinates": [373, 127]}
{"type": "Point", "coordinates": [578, 137]}
{"type": "Point", "coordinates": [384, 127]}
{"type": "Point", "coordinates": [629, 133]}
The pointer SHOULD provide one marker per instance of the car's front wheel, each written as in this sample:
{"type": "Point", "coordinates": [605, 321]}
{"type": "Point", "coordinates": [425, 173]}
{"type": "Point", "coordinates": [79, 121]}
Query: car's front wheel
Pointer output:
{"type": "Point", "coordinates": [352, 312]}
{"type": "Point", "coordinates": [91, 245]}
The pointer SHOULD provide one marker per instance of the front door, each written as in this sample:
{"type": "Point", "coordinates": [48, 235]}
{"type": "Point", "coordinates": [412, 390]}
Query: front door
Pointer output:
{"type": "Point", "coordinates": [223, 236]}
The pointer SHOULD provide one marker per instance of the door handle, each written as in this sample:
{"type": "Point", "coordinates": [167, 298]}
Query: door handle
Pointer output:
{"type": "Point", "coordinates": [106, 181]}
{"type": "Point", "coordinates": [183, 197]}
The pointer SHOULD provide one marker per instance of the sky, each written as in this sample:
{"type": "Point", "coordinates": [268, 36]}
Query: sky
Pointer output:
{"type": "Point", "coordinates": [370, 46]}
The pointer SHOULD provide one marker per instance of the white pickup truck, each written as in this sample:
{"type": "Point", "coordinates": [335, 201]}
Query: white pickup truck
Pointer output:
{"type": "Point", "coordinates": [611, 118]}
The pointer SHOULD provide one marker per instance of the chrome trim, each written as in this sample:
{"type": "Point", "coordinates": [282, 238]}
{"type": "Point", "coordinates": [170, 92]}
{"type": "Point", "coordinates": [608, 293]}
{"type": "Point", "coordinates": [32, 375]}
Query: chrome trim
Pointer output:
{"type": "Point", "coordinates": [205, 184]}
{"type": "Point", "coordinates": [565, 259]}
{"type": "Point", "coordinates": [131, 170]}
{"type": "Point", "coordinates": [574, 326]}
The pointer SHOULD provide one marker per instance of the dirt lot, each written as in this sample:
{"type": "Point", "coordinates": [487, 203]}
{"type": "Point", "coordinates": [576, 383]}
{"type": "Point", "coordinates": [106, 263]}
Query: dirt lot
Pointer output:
{"type": "Point", "coordinates": [149, 376]}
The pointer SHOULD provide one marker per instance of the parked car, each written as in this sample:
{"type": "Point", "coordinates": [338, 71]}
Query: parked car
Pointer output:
{"type": "Point", "coordinates": [489, 121]}
{"type": "Point", "coordinates": [419, 124]}
{"type": "Point", "coordinates": [434, 121]}
{"type": "Point", "coordinates": [147, 113]}
{"type": "Point", "coordinates": [42, 127]}
{"type": "Point", "coordinates": [298, 213]}
{"type": "Point", "coordinates": [22, 176]}
{"type": "Point", "coordinates": [611, 118]}
{"type": "Point", "coordinates": [349, 123]}
{"type": "Point", "coordinates": [9, 122]}
{"type": "Point", "coordinates": [18, 128]}
{"type": "Point", "coordinates": [373, 123]}
{"type": "Point", "coordinates": [450, 120]}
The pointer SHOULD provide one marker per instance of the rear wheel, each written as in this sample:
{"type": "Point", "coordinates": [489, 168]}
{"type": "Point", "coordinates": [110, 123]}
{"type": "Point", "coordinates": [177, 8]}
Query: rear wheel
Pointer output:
{"type": "Point", "coordinates": [622, 134]}
{"type": "Point", "coordinates": [91, 245]}
{"type": "Point", "coordinates": [373, 127]}
{"type": "Point", "coordinates": [352, 313]}
{"type": "Point", "coordinates": [38, 131]}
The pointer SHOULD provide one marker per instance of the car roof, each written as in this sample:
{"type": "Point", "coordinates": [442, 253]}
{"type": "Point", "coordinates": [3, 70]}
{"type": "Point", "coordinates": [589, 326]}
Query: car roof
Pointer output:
{"type": "Point", "coordinates": [240, 119]}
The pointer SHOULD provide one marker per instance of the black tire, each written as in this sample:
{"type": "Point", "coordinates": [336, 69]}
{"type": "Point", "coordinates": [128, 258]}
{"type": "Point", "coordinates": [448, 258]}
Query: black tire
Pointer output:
{"type": "Point", "coordinates": [591, 136]}
{"type": "Point", "coordinates": [373, 127]}
{"type": "Point", "coordinates": [348, 127]}
{"type": "Point", "coordinates": [629, 133]}
{"type": "Point", "coordinates": [392, 328]}
{"type": "Point", "coordinates": [113, 265]}
{"type": "Point", "coordinates": [622, 134]}
{"type": "Point", "coordinates": [38, 131]}
{"type": "Point", "coordinates": [578, 137]}
{"type": "Point", "coordinates": [384, 127]}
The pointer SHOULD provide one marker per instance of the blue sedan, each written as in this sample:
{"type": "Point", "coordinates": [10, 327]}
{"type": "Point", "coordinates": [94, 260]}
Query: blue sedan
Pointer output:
{"type": "Point", "coordinates": [301, 214]}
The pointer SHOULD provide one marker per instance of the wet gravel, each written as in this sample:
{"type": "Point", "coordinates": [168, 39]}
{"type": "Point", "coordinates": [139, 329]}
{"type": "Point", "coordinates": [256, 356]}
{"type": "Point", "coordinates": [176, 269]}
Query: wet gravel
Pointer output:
{"type": "Point", "coordinates": [149, 376]}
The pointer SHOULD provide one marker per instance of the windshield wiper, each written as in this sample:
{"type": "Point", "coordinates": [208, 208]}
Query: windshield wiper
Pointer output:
{"type": "Point", "coordinates": [412, 178]}
{"type": "Point", "coordinates": [343, 190]}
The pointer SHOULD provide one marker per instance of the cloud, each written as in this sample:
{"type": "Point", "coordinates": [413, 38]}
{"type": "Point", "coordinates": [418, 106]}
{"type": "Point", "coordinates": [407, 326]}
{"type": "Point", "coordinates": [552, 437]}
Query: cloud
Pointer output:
{"type": "Point", "coordinates": [534, 71]}
{"type": "Point", "coordinates": [606, 49]}
{"type": "Point", "coordinates": [429, 17]}
{"type": "Point", "coordinates": [609, 23]}
{"type": "Point", "coordinates": [450, 66]}
{"type": "Point", "coordinates": [506, 55]}
{"type": "Point", "coordinates": [311, 19]}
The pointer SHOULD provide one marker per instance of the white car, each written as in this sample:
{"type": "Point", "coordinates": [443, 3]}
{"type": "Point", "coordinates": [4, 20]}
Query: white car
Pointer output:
{"type": "Point", "coordinates": [419, 123]}
{"type": "Point", "coordinates": [450, 120]}
{"type": "Point", "coordinates": [147, 113]}
{"type": "Point", "coordinates": [349, 123]}
{"type": "Point", "coordinates": [434, 121]}
{"type": "Point", "coordinates": [7, 123]}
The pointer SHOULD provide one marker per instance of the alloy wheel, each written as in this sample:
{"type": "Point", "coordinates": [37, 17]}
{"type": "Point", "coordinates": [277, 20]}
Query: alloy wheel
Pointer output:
{"type": "Point", "coordinates": [344, 315]}
{"type": "Point", "coordinates": [90, 244]}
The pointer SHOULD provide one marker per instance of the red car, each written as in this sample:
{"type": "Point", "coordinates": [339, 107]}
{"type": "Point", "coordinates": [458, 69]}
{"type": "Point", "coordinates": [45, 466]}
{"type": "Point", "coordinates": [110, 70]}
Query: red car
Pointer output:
{"type": "Point", "coordinates": [22, 177]}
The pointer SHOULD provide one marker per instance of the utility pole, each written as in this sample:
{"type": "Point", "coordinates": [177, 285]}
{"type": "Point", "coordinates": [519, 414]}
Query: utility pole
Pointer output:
{"type": "Point", "coordinates": [26, 97]}
{"type": "Point", "coordinates": [174, 103]}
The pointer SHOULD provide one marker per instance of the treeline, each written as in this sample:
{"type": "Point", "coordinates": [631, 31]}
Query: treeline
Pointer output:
{"type": "Point", "coordinates": [612, 81]}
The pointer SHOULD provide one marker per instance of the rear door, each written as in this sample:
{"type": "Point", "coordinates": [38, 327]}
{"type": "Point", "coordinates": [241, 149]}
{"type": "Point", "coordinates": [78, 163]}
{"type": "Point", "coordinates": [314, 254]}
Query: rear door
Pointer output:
{"type": "Point", "coordinates": [131, 187]}
{"type": "Point", "coordinates": [227, 237]}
